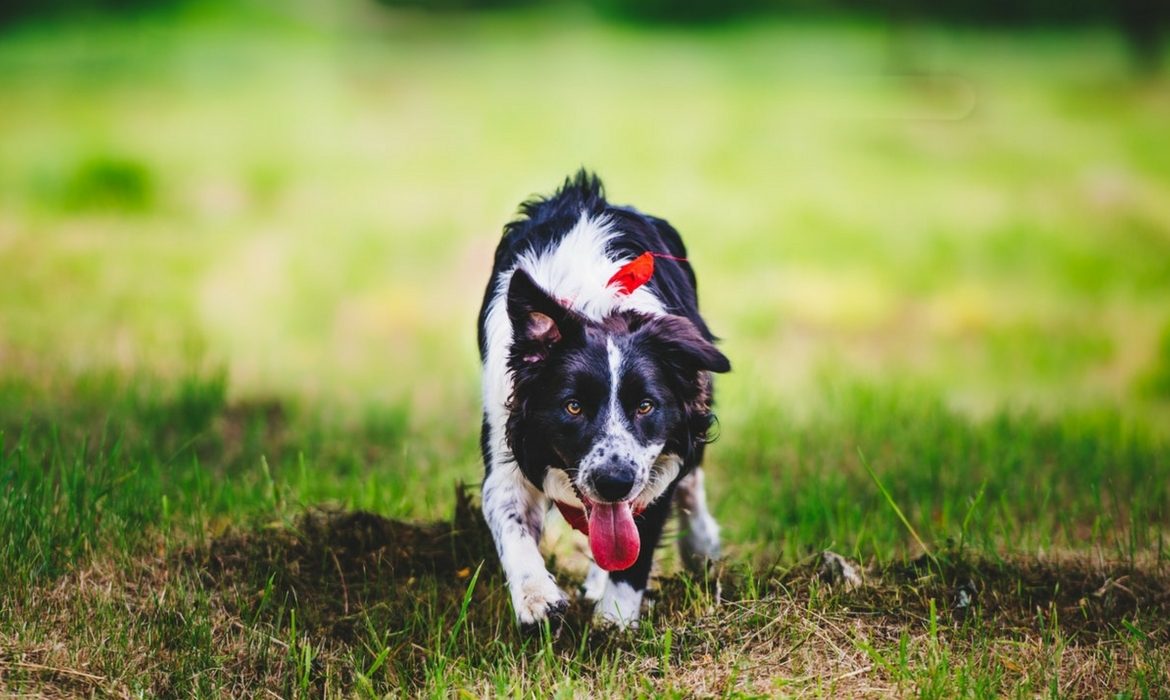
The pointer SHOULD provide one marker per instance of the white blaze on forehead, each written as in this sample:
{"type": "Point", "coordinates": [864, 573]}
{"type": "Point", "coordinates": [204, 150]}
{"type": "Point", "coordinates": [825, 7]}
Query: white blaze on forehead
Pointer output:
{"type": "Point", "coordinates": [615, 376]}
{"type": "Point", "coordinates": [617, 442]}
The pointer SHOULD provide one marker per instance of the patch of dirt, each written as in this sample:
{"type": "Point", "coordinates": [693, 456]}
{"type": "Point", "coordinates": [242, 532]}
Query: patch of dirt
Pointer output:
{"type": "Point", "coordinates": [1086, 600]}
{"type": "Point", "coordinates": [360, 585]}
{"type": "Point", "coordinates": [333, 563]}
{"type": "Point", "coordinates": [330, 564]}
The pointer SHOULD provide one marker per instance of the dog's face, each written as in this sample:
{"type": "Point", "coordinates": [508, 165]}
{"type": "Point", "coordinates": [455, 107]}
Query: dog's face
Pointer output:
{"type": "Point", "coordinates": [605, 414]}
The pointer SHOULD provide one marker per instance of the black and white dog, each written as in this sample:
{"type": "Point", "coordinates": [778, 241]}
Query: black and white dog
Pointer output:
{"type": "Point", "coordinates": [596, 396]}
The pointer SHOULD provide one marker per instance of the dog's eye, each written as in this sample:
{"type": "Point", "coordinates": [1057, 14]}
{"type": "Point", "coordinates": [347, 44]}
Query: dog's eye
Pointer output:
{"type": "Point", "coordinates": [573, 407]}
{"type": "Point", "coordinates": [645, 407]}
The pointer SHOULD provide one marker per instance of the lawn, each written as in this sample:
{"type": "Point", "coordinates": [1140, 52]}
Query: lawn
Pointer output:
{"type": "Point", "coordinates": [241, 254]}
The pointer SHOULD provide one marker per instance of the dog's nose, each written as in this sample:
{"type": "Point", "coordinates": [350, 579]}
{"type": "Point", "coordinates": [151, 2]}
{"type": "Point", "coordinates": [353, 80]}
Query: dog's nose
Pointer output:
{"type": "Point", "coordinates": [613, 484]}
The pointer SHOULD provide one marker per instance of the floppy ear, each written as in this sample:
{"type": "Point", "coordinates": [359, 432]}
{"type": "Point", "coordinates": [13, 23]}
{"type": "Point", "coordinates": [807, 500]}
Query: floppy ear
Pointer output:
{"type": "Point", "coordinates": [683, 346]}
{"type": "Point", "coordinates": [539, 323]}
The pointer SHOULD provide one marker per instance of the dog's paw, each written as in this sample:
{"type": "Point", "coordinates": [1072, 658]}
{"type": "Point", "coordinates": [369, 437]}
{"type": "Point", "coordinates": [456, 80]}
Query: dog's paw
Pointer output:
{"type": "Point", "coordinates": [595, 582]}
{"type": "Point", "coordinates": [537, 600]}
{"type": "Point", "coordinates": [699, 546]}
{"type": "Point", "coordinates": [621, 605]}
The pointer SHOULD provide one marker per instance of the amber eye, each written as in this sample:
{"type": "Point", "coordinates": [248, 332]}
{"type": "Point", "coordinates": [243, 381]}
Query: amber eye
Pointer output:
{"type": "Point", "coordinates": [573, 407]}
{"type": "Point", "coordinates": [645, 407]}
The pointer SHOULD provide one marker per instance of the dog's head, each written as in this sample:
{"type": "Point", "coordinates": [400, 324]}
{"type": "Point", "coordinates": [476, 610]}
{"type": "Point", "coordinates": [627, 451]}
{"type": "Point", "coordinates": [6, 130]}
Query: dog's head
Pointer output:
{"type": "Point", "coordinates": [604, 415]}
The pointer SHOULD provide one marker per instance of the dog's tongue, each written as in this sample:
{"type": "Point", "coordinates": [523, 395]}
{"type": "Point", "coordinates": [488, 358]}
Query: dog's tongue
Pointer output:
{"type": "Point", "coordinates": [613, 537]}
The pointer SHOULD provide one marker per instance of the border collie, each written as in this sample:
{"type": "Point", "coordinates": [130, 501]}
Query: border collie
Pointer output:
{"type": "Point", "coordinates": [596, 397]}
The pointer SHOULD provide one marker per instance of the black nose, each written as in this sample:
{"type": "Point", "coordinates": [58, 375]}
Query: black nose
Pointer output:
{"type": "Point", "coordinates": [613, 484]}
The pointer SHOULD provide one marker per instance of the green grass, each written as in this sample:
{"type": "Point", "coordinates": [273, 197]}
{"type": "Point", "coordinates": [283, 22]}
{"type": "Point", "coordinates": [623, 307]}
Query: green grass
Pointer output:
{"type": "Point", "coordinates": [241, 252]}
{"type": "Point", "coordinates": [1013, 481]}
{"type": "Point", "coordinates": [184, 532]}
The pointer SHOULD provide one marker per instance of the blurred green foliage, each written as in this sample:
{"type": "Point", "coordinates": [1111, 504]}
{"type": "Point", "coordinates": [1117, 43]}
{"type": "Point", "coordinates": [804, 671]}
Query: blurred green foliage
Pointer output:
{"type": "Point", "coordinates": [108, 184]}
{"type": "Point", "coordinates": [315, 205]}
{"type": "Point", "coordinates": [1143, 22]}
{"type": "Point", "coordinates": [1156, 382]}
{"type": "Point", "coordinates": [992, 12]}
{"type": "Point", "coordinates": [459, 5]}
{"type": "Point", "coordinates": [15, 10]}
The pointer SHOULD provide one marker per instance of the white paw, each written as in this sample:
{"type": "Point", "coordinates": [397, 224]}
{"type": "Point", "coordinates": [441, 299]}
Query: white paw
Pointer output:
{"type": "Point", "coordinates": [595, 583]}
{"type": "Point", "coordinates": [621, 605]}
{"type": "Point", "coordinates": [537, 599]}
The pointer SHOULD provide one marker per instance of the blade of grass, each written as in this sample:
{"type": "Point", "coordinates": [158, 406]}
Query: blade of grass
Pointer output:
{"type": "Point", "coordinates": [463, 610]}
{"type": "Point", "coordinates": [897, 510]}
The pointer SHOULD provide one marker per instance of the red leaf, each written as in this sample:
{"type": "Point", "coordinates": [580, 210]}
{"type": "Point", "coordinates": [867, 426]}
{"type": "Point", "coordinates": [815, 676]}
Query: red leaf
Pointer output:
{"type": "Point", "coordinates": [633, 274]}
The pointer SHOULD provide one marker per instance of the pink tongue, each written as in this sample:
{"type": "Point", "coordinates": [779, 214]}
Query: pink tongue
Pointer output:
{"type": "Point", "coordinates": [613, 537]}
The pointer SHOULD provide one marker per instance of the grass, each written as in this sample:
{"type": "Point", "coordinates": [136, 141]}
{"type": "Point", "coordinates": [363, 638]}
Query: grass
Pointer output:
{"type": "Point", "coordinates": [241, 250]}
{"type": "Point", "coordinates": [168, 542]}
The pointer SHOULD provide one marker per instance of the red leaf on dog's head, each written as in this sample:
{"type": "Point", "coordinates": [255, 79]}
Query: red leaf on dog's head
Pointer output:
{"type": "Point", "coordinates": [633, 274]}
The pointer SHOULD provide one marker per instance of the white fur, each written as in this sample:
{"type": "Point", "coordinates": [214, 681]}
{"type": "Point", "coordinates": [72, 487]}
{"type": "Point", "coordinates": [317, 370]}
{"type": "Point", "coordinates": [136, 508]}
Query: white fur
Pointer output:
{"type": "Point", "coordinates": [621, 604]}
{"type": "Point", "coordinates": [559, 487]}
{"type": "Point", "coordinates": [515, 513]}
{"type": "Point", "coordinates": [577, 271]}
{"type": "Point", "coordinates": [665, 469]}
{"type": "Point", "coordinates": [615, 372]}
{"type": "Point", "coordinates": [595, 582]}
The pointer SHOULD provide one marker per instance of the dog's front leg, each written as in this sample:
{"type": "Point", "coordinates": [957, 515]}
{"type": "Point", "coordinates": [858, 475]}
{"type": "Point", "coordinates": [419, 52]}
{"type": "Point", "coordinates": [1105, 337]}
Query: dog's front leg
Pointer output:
{"type": "Point", "coordinates": [514, 511]}
{"type": "Point", "coordinates": [699, 541]}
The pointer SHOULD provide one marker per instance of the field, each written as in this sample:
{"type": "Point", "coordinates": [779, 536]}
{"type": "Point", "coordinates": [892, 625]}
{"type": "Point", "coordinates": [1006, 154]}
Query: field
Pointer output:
{"type": "Point", "coordinates": [241, 253]}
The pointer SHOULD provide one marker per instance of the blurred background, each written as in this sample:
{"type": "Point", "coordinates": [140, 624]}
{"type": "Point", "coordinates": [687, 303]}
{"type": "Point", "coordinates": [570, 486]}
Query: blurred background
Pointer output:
{"type": "Point", "coordinates": [971, 198]}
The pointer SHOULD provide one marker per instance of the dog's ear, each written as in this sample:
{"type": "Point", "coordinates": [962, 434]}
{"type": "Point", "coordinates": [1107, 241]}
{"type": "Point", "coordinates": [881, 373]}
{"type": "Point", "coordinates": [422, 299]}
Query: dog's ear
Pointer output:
{"type": "Point", "coordinates": [679, 343]}
{"type": "Point", "coordinates": [539, 323]}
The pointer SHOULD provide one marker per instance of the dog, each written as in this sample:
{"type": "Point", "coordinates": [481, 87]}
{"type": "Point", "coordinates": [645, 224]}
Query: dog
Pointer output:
{"type": "Point", "coordinates": [597, 397]}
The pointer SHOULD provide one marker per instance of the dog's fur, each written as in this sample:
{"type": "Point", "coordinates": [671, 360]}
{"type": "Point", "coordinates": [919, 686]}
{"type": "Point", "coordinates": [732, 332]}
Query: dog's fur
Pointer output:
{"type": "Point", "coordinates": [594, 398]}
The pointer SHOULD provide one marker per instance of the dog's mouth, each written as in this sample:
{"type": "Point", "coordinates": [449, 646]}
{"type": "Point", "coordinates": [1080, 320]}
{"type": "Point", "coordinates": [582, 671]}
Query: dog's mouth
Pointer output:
{"type": "Point", "coordinates": [610, 526]}
{"type": "Point", "coordinates": [613, 535]}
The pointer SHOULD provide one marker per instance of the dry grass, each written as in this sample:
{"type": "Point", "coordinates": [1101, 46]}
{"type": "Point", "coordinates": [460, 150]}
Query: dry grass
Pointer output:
{"type": "Point", "coordinates": [305, 608]}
